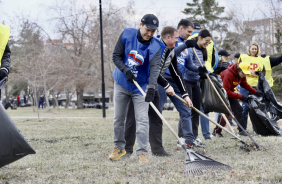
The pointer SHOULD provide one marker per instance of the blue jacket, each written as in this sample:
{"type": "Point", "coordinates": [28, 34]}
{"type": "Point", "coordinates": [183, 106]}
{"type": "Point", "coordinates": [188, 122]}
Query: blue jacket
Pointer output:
{"type": "Point", "coordinates": [191, 67]}
{"type": "Point", "coordinates": [136, 57]}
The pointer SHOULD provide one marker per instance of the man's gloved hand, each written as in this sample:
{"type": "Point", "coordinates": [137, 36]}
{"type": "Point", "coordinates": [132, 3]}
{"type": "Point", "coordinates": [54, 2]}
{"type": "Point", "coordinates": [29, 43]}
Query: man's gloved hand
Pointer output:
{"type": "Point", "coordinates": [259, 93]}
{"type": "Point", "coordinates": [244, 99]}
{"type": "Point", "coordinates": [129, 76]}
{"type": "Point", "coordinates": [190, 43]}
{"type": "Point", "coordinates": [150, 95]}
{"type": "Point", "coordinates": [3, 74]}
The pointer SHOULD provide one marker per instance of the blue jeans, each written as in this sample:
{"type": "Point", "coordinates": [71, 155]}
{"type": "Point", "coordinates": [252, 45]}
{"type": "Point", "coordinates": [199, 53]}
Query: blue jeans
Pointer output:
{"type": "Point", "coordinates": [185, 123]}
{"type": "Point", "coordinates": [121, 102]}
{"type": "Point", "coordinates": [205, 125]}
{"type": "Point", "coordinates": [245, 93]}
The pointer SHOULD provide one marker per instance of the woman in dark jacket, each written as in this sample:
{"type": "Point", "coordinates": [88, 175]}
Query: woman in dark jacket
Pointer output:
{"type": "Point", "coordinates": [192, 75]}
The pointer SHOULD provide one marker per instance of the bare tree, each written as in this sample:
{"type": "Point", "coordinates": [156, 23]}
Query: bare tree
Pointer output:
{"type": "Point", "coordinates": [79, 25]}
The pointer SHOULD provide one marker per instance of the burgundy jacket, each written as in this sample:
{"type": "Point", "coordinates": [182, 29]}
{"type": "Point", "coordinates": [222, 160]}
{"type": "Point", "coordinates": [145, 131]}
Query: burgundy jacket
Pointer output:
{"type": "Point", "coordinates": [231, 80]}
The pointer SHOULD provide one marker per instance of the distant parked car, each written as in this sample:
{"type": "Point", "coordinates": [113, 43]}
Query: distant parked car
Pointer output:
{"type": "Point", "coordinates": [25, 104]}
{"type": "Point", "coordinates": [96, 105]}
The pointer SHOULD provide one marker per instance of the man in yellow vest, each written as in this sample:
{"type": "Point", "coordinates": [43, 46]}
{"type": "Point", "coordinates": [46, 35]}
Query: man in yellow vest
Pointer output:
{"type": "Point", "coordinates": [5, 54]}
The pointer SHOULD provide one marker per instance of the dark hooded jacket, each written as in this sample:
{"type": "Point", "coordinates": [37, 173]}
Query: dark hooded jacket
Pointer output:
{"type": "Point", "coordinates": [231, 80]}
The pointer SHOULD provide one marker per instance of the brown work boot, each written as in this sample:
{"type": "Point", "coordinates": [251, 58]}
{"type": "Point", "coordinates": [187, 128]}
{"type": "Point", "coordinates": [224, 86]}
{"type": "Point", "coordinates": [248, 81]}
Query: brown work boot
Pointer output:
{"type": "Point", "coordinates": [142, 158]}
{"type": "Point", "coordinates": [117, 153]}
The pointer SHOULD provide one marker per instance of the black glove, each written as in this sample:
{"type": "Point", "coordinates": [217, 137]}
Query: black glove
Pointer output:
{"type": "Point", "coordinates": [129, 76]}
{"type": "Point", "coordinates": [203, 76]}
{"type": "Point", "coordinates": [190, 43]}
{"type": "Point", "coordinates": [3, 74]}
{"type": "Point", "coordinates": [259, 93]}
{"type": "Point", "coordinates": [202, 70]}
{"type": "Point", "coordinates": [244, 99]}
{"type": "Point", "coordinates": [257, 72]}
{"type": "Point", "coordinates": [150, 95]}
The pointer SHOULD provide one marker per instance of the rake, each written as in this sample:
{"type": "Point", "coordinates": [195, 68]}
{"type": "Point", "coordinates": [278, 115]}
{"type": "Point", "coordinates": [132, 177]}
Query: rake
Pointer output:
{"type": "Point", "coordinates": [222, 101]}
{"type": "Point", "coordinates": [202, 114]}
{"type": "Point", "coordinates": [195, 163]}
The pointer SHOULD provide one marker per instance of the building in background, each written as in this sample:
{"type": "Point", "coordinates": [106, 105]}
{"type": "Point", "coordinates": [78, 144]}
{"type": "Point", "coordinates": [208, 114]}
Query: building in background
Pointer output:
{"type": "Point", "coordinates": [265, 34]}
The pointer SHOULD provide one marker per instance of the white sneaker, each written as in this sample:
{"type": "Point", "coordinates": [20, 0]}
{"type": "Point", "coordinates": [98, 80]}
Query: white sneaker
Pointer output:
{"type": "Point", "coordinates": [199, 143]}
{"type": "Point", "coordinates": [182, 139]}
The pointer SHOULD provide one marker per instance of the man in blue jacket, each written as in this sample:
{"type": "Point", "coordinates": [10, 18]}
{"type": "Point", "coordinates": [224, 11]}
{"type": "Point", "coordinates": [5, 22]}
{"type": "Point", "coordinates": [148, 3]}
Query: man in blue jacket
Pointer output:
{"type": "Point", "coordinates": [137, 57]}
{"type": "Point", "coordinates": [185, 132]}
{"type": "Point", "coordinates": [169, 37]}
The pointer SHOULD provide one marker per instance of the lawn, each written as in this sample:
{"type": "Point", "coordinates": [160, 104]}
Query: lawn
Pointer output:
{"type": "Point", "coordinates": [73, 147]}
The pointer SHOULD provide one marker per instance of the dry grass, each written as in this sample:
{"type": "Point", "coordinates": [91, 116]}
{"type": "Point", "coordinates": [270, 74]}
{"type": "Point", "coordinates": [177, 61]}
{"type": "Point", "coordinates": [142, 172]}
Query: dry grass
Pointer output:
{"type": "Point", "coordinates": [76, 151]}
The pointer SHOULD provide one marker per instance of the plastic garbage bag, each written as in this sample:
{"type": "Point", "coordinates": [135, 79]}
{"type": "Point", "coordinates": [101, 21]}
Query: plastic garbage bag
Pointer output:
{"type": "Point", "coordinates": [12, 144]}
{"type": "Point", "coordinates": [270, 100]}
{"type": "Point", "coordinates": [210, 100]}
{"type": "Point", "coordinates": [265, 111]}
{"type": "Point", "coordinates": [262, 123]}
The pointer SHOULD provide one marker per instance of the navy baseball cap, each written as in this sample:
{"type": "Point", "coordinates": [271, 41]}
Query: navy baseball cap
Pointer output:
{"type": "Point", "coordinates": [197, 25]}
{"type": "Point", "coordinates": [237, 55]}
{"type": "Point", "coordinates": [223, 53]}
{"type": "Point", "coordinates": [151, 21]}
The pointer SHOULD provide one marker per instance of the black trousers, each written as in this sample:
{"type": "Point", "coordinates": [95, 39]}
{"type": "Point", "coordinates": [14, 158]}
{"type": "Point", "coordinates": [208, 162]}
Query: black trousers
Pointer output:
{"type": "Point", "coordinates": [238, 113]}
{"type": "Point", "coordinates": [155, 128]}
{"type": "Point", "coordinates": [194, 92]}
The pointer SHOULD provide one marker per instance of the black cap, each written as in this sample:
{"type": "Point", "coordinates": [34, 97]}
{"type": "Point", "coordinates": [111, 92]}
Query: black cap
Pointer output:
{"type": "Point", "coordinates": [237, 55]}
{"type": "Point", "coordinates": [151, 21]}
{"type": "Point", "coordinates": [223, 53]}
{"type": "Point", "coordinates": [197, 25]}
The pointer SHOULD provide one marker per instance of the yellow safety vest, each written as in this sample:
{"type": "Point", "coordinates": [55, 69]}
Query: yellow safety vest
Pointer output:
{"type": "Point", "coordinates": [208, 63]}
{"type": "Point", "coordinates": [256, 63]}
{"type": "Point", "coordinates": [4, 37]}
{"type": "Point", "coordinates": [268, 71]}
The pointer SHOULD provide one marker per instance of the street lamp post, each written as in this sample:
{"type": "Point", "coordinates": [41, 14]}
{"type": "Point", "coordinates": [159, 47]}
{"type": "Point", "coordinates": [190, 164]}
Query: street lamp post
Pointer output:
{"type": "Point", "coordinates": [102, 62]}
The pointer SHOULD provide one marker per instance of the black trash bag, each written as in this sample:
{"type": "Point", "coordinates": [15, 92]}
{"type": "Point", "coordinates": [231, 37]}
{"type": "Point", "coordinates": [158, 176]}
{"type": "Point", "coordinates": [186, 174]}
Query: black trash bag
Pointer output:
{"type": "Point", "coordinates": [270, 100]}
{"type": "Point", "coordinates": [260, 119]}
{"type": "Point", "coordinates": [12, 144]}
{"type": "Point", "coordinates": [210, 100]}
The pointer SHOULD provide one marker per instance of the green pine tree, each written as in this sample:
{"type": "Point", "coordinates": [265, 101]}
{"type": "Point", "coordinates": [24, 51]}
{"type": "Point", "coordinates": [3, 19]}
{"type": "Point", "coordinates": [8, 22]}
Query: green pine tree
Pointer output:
{"type": "Point", "coordinates": [209, 15]}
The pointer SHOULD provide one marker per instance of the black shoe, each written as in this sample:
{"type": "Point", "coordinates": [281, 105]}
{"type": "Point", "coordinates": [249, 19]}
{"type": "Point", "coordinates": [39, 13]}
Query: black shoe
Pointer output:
{"type": "Point", "coordinates": [218, 135]}
{"type": "Point", "coordinates": [161, 154]}
{"type": "Point", "coordinates": [213, 132]}
{"type": "Point", "coordinates": [242, 133]}
{"type": "Point", "coordinates": [128, 154]}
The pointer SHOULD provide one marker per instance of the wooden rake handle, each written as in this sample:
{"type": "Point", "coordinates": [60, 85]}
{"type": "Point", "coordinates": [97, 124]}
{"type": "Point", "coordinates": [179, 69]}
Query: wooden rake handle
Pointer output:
{"type": "Point", "coordinates": [208, 77]}
{"type": "Point", "coordinates": [195, 109]}
{"type": "Point", "coordinates": [159, 114]}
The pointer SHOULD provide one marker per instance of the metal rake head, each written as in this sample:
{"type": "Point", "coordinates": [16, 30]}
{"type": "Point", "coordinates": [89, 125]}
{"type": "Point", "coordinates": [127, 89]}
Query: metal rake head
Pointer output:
{"type": "Point", "coordinates": [201, 166]}
{"type": "Point", "coordinates": [197, 164]}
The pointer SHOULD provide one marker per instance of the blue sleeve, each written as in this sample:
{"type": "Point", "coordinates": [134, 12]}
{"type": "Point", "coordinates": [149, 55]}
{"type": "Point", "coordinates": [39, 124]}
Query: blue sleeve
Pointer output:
{"type": "Point", "coordinates": [189, 64]}
{"type": "Point", "coordinates": [179, 49]}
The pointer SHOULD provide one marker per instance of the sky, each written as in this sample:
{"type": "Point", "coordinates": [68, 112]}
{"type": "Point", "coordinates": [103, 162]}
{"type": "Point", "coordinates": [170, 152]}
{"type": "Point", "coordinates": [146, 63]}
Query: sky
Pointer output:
{"type": "Point", "coordinates": [168, 11]}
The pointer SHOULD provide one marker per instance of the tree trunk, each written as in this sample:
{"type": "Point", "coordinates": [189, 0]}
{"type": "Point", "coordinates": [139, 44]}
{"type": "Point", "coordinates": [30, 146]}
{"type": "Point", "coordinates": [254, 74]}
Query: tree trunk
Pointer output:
{"type": "Point", "coordinates": [55, 99]}
{"type": "Point", "coordinates": [67, 100]}
{"type": "Point", "coordinates": [79, 93]}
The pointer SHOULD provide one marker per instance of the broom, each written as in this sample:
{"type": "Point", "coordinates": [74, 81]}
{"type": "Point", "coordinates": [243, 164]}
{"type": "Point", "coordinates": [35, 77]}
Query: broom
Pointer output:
{"type": "Point", "coordinates": [222, 101]}
{"type": "Point", "coordinates": [195, 163]}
